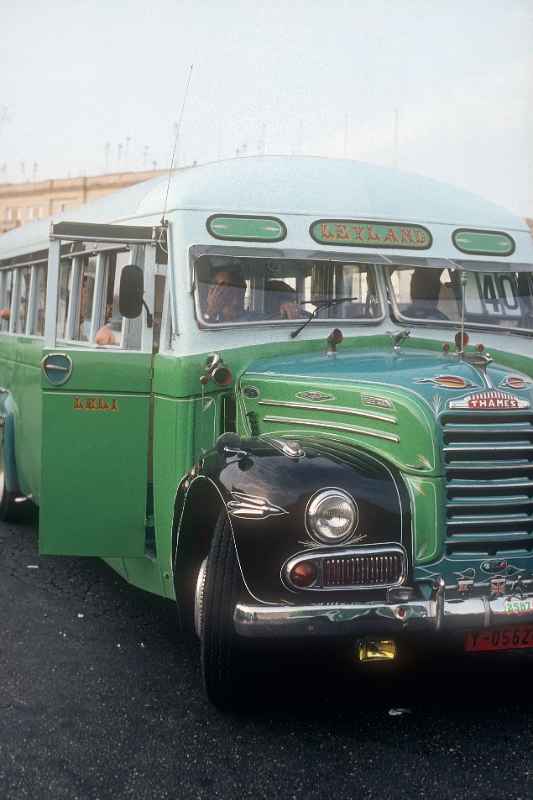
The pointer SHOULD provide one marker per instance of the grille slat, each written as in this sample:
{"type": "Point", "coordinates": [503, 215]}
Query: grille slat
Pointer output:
{"type": "Point", "coordinates": [488, 459]}
{"type": "Point", "coordinates": [498, 500]}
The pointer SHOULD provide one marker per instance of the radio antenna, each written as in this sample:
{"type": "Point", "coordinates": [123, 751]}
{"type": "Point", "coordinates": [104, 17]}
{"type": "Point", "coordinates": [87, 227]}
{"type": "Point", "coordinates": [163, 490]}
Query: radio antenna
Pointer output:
{"type": "Point", "coordinates": [461, 349]}
{"type": "Point", "coordinates": [176, 139]}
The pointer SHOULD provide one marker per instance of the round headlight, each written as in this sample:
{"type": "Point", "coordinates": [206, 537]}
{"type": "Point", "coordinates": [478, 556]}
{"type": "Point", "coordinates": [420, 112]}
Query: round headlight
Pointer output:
{"type": "Point", "coordinates": [332, 516]}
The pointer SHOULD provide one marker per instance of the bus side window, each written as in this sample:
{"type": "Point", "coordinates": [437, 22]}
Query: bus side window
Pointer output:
{"type": "Point", "coordinates": [23, 299]}
{"type": "Point", "coordinates": [84, 300]}
{"type": "Point", "coordinates": [65, 269]}
{"type": "Point", "coordinates": [110, 331]}
{"type": "Point", "coordinates": [6, 281]}
{"type": "Point", "coordinates": [37, 323]}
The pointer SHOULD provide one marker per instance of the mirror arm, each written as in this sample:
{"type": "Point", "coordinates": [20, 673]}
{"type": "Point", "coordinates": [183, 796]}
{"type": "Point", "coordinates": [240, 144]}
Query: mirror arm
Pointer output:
{"type": "Point", "coordinates": [149, 317]}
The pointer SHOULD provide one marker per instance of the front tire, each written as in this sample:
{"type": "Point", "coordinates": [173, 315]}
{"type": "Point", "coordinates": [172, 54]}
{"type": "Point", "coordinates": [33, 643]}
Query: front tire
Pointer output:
{"type": "Point", "coordinates": [9, 511]}
{"type": "Point", "coordinates": [221, 651]}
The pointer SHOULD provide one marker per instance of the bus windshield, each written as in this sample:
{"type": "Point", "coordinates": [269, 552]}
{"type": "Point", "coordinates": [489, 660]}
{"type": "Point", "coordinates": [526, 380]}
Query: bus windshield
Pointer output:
{"type": "Point", "coordinates": [503, 300]}
{"type": "Point", "coordinates": [243, 290]}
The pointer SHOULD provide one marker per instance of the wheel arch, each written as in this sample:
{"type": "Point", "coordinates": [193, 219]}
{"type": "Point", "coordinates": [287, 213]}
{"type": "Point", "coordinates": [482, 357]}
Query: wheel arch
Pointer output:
{"type": "Point", "coordinates": [196, 510]}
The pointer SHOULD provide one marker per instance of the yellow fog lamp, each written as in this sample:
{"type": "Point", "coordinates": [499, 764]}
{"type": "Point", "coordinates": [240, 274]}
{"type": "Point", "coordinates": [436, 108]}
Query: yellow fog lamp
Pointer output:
{"type": "Point", "coordinates": [332, 516]}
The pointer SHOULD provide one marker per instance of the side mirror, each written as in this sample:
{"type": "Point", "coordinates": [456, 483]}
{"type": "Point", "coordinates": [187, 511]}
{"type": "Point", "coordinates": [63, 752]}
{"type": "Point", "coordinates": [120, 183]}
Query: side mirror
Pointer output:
{"type": "Point", "coordinates": [130, 295]}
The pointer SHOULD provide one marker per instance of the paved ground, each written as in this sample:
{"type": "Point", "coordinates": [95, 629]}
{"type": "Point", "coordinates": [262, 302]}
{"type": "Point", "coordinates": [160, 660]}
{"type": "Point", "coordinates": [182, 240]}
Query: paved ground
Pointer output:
{"type": "Point", "coordinates": [99, 698]}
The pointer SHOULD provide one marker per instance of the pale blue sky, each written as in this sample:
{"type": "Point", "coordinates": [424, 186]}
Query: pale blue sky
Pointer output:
{"type": "Point", "coordinates": [304, 77]}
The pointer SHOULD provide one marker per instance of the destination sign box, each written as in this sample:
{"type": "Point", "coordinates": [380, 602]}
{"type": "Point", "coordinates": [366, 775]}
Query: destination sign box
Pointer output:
{"type": "Point", "coordinates": [361, 233]}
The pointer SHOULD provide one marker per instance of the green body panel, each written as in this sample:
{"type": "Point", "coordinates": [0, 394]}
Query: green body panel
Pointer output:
{"type": "Point", "coordinates": [95, 453]}
{"type": "Point", "coordinates": [93, 480]}
{"type": "Point", "coordinates": [428, 499]}
{"type": "Point", "coordinates": [28, 416]}
{"type": "Point", "coordinates": [20, 373]}
{"type": "Point", "coordinates": [105, 371]}
{"type": "Point", "coordinates": [145, 573]}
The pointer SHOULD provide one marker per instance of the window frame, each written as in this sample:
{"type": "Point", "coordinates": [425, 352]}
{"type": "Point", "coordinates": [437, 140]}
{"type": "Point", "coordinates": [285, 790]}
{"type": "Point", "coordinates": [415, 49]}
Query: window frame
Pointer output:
{"type": "Point", "coordinates": [400, 318]}
{"type": "Point", "coordinates": [262, 254]}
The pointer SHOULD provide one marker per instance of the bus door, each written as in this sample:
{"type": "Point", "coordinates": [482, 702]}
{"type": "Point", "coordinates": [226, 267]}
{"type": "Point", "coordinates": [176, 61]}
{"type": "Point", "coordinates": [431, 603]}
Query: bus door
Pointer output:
{"type": "Point", "coordinates": [96, 375]}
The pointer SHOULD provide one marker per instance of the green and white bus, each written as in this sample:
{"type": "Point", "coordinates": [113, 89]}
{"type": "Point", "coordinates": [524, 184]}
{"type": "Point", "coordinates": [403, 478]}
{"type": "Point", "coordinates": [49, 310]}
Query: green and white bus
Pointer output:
{"type": "Point", "coordinates": [297, 403]}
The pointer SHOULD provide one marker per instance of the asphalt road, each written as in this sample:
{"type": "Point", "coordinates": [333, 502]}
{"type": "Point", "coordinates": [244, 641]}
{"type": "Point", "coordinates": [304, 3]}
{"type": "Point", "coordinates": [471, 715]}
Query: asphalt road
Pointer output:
{"type": "Point", "coordinates": [100, 698]}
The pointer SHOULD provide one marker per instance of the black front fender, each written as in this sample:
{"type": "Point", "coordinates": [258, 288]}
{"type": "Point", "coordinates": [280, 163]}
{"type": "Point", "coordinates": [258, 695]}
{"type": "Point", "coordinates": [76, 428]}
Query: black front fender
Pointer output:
{"type": "Point", "coordinates": [265, 494]}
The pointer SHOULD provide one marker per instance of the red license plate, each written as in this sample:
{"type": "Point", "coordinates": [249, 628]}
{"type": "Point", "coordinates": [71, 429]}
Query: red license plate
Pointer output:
{"type": "Point", "coordinates": [511, 638]}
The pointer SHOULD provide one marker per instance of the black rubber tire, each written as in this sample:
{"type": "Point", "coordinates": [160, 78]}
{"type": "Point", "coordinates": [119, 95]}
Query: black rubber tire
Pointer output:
{"type": "Point", "coordinates": [222, 653]}
{"type": "Point", "coordinates": [9, 510]}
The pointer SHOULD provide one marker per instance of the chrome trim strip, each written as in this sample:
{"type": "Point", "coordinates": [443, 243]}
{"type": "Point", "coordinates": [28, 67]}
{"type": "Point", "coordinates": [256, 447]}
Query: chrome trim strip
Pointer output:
{"type": "Point", "coordinates": [494, 448]}
{"type": "Point", "coordinates": [390, 437]}
{"type": "Point", "coordinates": [56, 367]}
{"type": "Point", "coordinates": [490, 485]}
{"type": "Point", "coordinates": [488, 519]}
{"type": "Point", "coordinates": [330, 409]}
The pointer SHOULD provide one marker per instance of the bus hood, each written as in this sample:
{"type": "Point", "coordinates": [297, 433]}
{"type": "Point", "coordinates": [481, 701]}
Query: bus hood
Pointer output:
{"type": "Point", "coordinates": [388, 402]}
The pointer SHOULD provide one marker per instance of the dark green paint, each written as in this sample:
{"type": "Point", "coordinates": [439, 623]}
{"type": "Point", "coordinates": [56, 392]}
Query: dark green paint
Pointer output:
{"type": "Point", "coordinates": [256, 229]}
{"type": "Point", "coordinates": [483, 243]}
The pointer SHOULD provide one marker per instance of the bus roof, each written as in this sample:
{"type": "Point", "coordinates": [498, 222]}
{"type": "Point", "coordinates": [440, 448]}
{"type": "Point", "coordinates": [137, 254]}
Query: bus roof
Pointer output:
{"type": "Point", "coordinates": [282, 185]}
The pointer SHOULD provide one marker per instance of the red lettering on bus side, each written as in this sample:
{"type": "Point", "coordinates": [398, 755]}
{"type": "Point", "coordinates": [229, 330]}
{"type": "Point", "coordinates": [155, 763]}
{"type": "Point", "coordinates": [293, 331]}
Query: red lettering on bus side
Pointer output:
{"type": "Point", "coordinates": [391, 236]}
{"type": "Point", "coordinates": [420, 237]}
{"type": "Point", "coordinates": [407, 235]}
{"type": "Point", "coordinates": [341, 231]}
{"type": "Point", "coordinates": [358, 230]}
{"type": "Point", "coordinates": [325, 232]}
{"type": "Point", "coordinates": [371, 234]}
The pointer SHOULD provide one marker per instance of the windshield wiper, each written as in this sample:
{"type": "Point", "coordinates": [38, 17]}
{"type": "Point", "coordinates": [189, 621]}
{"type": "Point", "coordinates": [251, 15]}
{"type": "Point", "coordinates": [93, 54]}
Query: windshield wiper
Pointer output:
{"type": "Point", "coordinates": [319, 307]}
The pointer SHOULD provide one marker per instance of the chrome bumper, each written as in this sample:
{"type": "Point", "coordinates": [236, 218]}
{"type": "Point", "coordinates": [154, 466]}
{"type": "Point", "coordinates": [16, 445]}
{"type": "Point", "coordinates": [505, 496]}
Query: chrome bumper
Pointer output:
{"type": "Point", "coordinates": [352, 619]}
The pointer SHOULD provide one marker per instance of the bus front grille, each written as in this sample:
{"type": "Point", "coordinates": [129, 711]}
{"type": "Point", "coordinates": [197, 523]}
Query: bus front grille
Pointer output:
{"type": "Point", "coordinates": [488, 458]}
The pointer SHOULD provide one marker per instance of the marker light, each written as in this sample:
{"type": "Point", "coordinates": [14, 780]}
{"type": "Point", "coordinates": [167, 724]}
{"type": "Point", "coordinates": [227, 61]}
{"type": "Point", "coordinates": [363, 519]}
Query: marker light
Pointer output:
{"type": "Point", "coordinates": [461, 340]}
{"type": "Point", "coordinates": [303, 574]}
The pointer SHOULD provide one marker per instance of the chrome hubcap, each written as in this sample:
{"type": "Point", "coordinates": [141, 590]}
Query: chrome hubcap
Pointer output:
{"type": "Point", "coordinates": [199, 598]}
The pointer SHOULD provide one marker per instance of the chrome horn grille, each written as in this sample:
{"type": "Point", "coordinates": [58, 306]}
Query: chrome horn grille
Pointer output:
{"type": "Point", "coordinates": [355, 568]}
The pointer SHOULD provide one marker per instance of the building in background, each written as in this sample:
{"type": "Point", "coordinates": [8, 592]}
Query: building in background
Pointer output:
{"type": "Point", "coordinates": [23, 202]}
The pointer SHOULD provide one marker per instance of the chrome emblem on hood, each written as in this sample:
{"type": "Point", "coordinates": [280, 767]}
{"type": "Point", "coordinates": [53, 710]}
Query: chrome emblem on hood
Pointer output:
{"type": "Point", "coordinates": [317, 397]}
{"type": "Point", "coordinates": [448, 381]}
{"type": "Point", "coordinates": [490, 401]}
{"type": "Point", "coordinates": [515, 382]}
{"type": "Point", "coordinates": [249, 506]}
{"type": "Point", "coordinates": [372, 400]}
